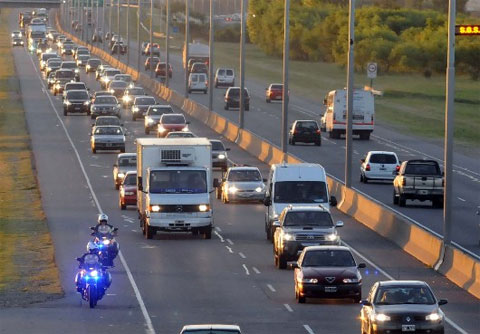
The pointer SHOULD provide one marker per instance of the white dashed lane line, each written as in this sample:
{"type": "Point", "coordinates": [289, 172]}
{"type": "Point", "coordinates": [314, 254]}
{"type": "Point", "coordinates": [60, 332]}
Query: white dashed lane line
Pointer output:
{"type": "Point", "coordinates": [242, 255]}
{"type": "Point", "coordinates": [289, 309]}
{"type": "Point", "coordinates": [271, 288]}
{"type": "Point", "coordinates": [246, 269]}
{"type": "Point", "coordinates": [256, 270]}
{"type": "Point", "coordinates": [308, 329]}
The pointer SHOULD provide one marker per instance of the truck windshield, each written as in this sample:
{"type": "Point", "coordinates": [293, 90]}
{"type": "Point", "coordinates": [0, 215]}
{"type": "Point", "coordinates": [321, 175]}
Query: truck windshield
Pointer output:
{"type": "Point", "coordinates": [178, 182]}
{"type": "Point", "coordinates": [300, 192]}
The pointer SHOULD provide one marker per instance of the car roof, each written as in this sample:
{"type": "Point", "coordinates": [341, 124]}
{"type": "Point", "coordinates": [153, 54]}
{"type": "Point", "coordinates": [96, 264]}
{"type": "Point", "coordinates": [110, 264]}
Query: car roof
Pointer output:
{"type": "Point", "coordinates": [243, 168]}
{"type": "Point", "coordinates": [126, 155]}
{"type": "Point", "coordinates": [327, 247]}
{"type": "Point", "coordinates": [211, 327]}
{"type": "Point", "coordinates": [402, 283]}
{"type": "Point", "coordinates": [303, 171]}
{"type": "Point", "coordinates": [107, 126]}
{"type": "Point", "coordinates": [305, 120]}
{"type": "Point", "coordinates": [319, 208]}
{"type": "Point", "coordinates": [176, 114]}
{"type": "Point", "coordinates": [381, 152]}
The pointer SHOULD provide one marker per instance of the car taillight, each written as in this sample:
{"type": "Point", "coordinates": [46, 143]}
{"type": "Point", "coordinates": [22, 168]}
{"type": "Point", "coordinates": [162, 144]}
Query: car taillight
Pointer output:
{"type": "Point", "coordinates": [397, 168]}
{"type": "Point", "coordinates": [318, 131]}
{"type": "Point", "coordinates": [367, 167]}
{"type": "Point", "coordinates": [404, 182]}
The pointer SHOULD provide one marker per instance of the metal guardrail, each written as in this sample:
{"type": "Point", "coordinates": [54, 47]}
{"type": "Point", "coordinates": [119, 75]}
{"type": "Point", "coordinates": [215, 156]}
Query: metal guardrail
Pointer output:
{"type": "Point", "coordinates": [30, 4]}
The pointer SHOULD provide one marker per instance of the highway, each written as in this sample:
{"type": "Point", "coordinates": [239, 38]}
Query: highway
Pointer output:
{"type": "Point", "coordinates": [265, 120]}
{"type": "Point", "coordinates": [159, 285]}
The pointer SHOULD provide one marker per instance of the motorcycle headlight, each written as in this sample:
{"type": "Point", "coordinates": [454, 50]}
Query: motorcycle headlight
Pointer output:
{"type": "Point", "coordinates": [135, 109]}
{"type": "Point", "coordinates": [185, 129]}
{"type": "Point", "coordinates": [76, 70]}
{"type": "Point", "coordinates": [112, 91]}
{"type": "Point", "coordinates": [203, 207]}
{"type": "Point", "coordinates": [94, 273]}
{"type": "Point", "coordinates": [161, 128]}
{"type": "Point", "coordinates": [433, 317]}
{"type": "Point", "coordinates": [232, 189]}
{"type": "Point", "coordinates": [105, 79]}
{"type": "Point", "coordinates": [310, 280]}
{"type": "Point", "coordinates": [126, 98]}
{"type": "Point", "coordinates": [149, 120]}
{"type": "Point", "coordinates": [221, 156]}
{"type": "Point", "coordinates": [258, 189]}
{"type": "Point", "coordinates": [106, 242]}
{"type": "Point", "coordinates": [382, 317]}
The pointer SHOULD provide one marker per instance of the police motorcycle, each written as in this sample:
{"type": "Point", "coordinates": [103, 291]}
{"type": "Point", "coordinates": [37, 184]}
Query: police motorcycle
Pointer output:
{"type": "Point", "coordinates": [104, 238]}
{"type": "Point", "coordinates": [92, 279]}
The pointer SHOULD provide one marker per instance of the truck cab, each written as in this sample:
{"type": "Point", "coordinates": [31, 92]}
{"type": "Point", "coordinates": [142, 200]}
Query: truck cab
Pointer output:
{"type": "Point", "coordinates": [174, 185]}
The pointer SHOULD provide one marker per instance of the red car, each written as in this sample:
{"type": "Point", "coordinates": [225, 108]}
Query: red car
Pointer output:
{"type": "Point", "coordinates": [128, 190]}
{"type": "Point", "coordinates": [160, 70]}
{"type": "Point", "coordinates": [274, 92]}
{"type": "Point", "coordinates": [170, 123]}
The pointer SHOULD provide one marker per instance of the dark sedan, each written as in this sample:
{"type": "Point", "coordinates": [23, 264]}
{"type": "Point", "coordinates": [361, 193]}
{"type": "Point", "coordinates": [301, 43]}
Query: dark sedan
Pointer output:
{"type": "Point", "coordinates": [76, 101]}
{"type": "Point", "coordinates": [402, 307]}
{"type": "Point", "coordinates": [305, 131]}
{"type": "Point", "coordinates": [140, 106]}
{"type": "Point", "coordinates": [117, 88]}
{"type": "Point", "coordinates": [327, 272]}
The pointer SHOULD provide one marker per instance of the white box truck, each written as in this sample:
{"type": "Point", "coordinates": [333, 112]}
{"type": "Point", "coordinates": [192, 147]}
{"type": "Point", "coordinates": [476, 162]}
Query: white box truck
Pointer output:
{"type": "Point", "coordinates": [197, 51]}
{"type": "Point", "coordinates": [174, 185]}
{"type": "Point", "coordinates": [334, 120]}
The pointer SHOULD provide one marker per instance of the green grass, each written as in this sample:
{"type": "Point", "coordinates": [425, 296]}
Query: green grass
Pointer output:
{"type": "Point", "coordinates": [27, 269]}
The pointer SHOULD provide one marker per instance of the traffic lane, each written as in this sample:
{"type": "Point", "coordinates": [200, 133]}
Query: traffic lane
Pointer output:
{"type": "Point", "coordinates": [67, 204]}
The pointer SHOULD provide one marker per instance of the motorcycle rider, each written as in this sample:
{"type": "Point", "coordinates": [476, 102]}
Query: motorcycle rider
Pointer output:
{"type": "Point", "coordinates": [102, 229]}
{"type": "Point", "coordinates": [91, 260]}
{"type": "Point", "coordinates": [102, 225]}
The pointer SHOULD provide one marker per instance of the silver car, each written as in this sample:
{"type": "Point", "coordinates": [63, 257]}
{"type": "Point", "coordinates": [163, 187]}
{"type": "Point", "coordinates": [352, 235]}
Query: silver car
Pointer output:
{"type": "Point", "coordinates": [153, 115]}
{"type": "Point", "coordinates": [106, 106]}
{"type": "Point", "coordinates": [242, 184]}
{"type": "Point", "coordinates": [125, 162]}
{"type": "Point", "coordinates": [219, 155]}
{"type": "Point", "coordinates": [108, 138]}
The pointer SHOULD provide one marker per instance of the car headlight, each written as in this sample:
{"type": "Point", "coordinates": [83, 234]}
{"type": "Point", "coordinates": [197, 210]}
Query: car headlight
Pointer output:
{"type": "Point", "coordinates": [86, 103]}
{"type": "Point", "coordinates": [67, 103]}
{"type": "Point", "coordinates": [232, 189]}
{"type": "Point", "coordinates": [155, 208]}
{"type": "Point", "coordinates": [331, 237]}
{"type": "Point", "coordinates": [433, 317]}
{"type": "Point", "coordinates": [76, 70]}
{"type": "Point", "coordinates": [310, 280]}
{"type": "Point", "coordinates": [135, 109]}
{"type": "Point", "coordinates": [382, 317]}
{"type": "Point", "coordinates": [350, 280]}
{"type": "Point", "coordinates": [288, 236]}
{"type": "Point", "coordinates": [203, 207]}
{"type": "Point", "coordinates": [161, 128]}
{"type": "Point", "coordinates": [221, 156]}
{"type": "Point", "coordinates": [120, 175]}
{"type": "Point", "coordinates": [185, 129]}
{"type": "Point", "coordinates": [149, 120]}
{"type": "Point", "coordinates": [258, 189]}
{"type": "Point", "coordinates": [126, 98]}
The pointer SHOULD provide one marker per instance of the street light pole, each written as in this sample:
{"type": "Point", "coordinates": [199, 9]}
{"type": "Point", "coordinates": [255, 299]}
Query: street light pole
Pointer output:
{"type": "Point", "coordinates": [286, 52]}
{"type": "Point", "coordinates": [187, 38]}
{"type": "Point", "coordinates": [449, 126]}
{"type": "Point", "coordinates": [241, 119]}
{"type": "Point", "coordinates": [128, 32]}
{"type": "Point", "coordinates": [103, 24]}
{"type": "Point", "coordinates": [167, 41]}
{"type": "Point", "coordinates": [139, 16]}
{"type": "Point", "coordinates": [210, 62]}
{"type": "Point", "coordinates": [350, 64]}
{"type": "Point", "coordinates": [151, 39]}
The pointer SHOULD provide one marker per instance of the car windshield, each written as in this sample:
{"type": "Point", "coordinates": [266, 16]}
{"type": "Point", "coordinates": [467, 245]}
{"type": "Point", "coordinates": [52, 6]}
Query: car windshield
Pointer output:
{"type": "Point", "coordinates": [221, 72]}
{"type": "Point", "coordinates": [130, 161]}
{"type": "Point", "coordinates": [119, 84]}
{"type": "Point", "coordinates": [173, 119]}
{"type": "Point", "coordinates": [244, 176]}
{"type": "Point", "coordinates": [91, 259]}
{"type": "Point", "coordinates": [393, 295]}
{"type": "Point", "coordinates": [217, 146]}
{"type": "Point", "coordinates": [69, 65]}
{"type": "Point", "coordinates": [422, 169]}
{"type": "Point", "coordinates": [145, 101]}
{"type": "Point", "coordinates": [300, 192]}
{"type": "Point", "coordinates": [130, 180]}
{"type": "Point", "coordinates": [111, 73]}
{"type": "Point", "coordinates": [178, 134]}
{"type": "Point", "coordinates": [230, 73]}
{"type": "Point", "coordinates": [64, 75]}
{"type": "Point", "coordinates": [94, 62]}
{"type": "Point", "coordinates": [107, 121]}
{"type": "Point", "coordinates": [136, 91]}
{"type": "Point", "coordinates": [307, 126]}
{"type": "Point", "coordinates": [313, 218]}
{"type": "Point", "coordinates": [123, 77]}
{"type": "Point", "coordinates": [277, 87]}
{"type": "Point", "coordinates": [178, 182]}
{"type": "Point", "coordinates": [106, 100]}
{"type": "Point", "coordinates": [159, 110]}
{"type": "Point", "coordinates": [328, 258]}
{"type": "Point", "coordinates": [54, 63]}
{"type": "Point", "coordinates": [71, 86]}
{"type": "Point", "coordinates": [383, 159]}
{"type": "Point", "coordinates": [108, 131]}
{"type": "Point", "coordinates": [77, 95]}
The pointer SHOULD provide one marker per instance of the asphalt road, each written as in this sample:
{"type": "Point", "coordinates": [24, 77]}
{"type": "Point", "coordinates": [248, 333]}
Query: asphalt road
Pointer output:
{"type": "Point", "coordinates": [159, 285]}
{"type": "Point", "coordinates": [265, 120]}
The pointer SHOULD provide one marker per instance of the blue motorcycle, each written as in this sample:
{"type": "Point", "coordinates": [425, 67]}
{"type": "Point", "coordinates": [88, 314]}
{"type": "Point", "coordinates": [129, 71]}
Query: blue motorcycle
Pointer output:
{"type": "Point", "coordinates": [92, 280]}
{"type": "Point", "coordinates": [106, 244]}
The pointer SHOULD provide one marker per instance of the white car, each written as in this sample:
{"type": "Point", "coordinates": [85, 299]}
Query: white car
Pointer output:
{"type": "Point", "coordinates": [225, 77]}
{"type": "Point", "coordinates": [198, 82]}
{"type": "Point", "coordinates": [242, 184]}
{"type": "Point", "coordinates": [379, 165]}
{"type": "Point", "coordinates": [108, 138]}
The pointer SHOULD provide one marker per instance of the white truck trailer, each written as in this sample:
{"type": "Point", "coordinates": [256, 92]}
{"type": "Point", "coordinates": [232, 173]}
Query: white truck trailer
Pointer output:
{"type": "Point", "coordinates": [174, 185]}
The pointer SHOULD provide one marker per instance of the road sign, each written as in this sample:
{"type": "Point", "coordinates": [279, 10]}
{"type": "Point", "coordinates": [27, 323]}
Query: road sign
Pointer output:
{"type": "Point", "coordinates": [372, 70]}
{"type": "Point", "coordinates": [467, 29]}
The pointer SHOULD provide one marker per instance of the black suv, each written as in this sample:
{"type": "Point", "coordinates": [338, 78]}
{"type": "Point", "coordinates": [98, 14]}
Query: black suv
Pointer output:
{"type": "Point", "coordinates": [232, 98]}
{"type": "Point", "coordinates": [76, 101]}
{"type": "Point", "coordinates": [301, 226]}
{"type": "Point", "coordinates": [305, 131]}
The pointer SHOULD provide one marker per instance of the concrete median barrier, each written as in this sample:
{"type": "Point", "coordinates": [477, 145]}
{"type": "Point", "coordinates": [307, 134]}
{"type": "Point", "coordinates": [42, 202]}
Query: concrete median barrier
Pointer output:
{"type": "Point", "coordinates": [460, 268]}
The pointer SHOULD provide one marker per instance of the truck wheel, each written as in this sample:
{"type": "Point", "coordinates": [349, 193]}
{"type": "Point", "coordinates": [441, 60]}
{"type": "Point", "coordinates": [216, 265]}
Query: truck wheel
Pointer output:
{"type": "Point", "coordinates": [207, 233]}
{"type": "Point", "coordinates": [402, 201]}
{"type": "Point", "coordinates": [280, 261]}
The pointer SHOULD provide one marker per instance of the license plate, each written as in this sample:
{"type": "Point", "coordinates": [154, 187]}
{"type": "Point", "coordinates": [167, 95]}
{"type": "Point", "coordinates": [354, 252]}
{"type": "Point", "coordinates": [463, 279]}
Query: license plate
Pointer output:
{"type": "Point", "coordinates": [179, 221]}
{"type": "Point", "coordinates": [109, 144]}
{"type": "Point", "coordinates": [408, 328]}
{"type": "Point", "coordinates": [423, 192]}
{"type": "Point", "coordinates": [278, 97]}
{"type": "Point", "coordinates": [383, 168]}
{"type": "Point", "coordinates": [330, 289]}
{"type": "Point", "coordinates": [77, 108]}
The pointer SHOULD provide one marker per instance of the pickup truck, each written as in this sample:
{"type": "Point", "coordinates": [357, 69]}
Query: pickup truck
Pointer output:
{"type": "Point", "coordinates": [421, 180]}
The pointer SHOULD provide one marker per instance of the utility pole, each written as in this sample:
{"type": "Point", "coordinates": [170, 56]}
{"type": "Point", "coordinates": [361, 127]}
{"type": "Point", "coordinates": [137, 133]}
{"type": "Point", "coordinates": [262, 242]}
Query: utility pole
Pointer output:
{"type": "Point", "coordinates": [167, 41]}
{"type": "Point", "coordinates": [349, 118]}
{"type": "Point", "coordinates": [241, 119]}
{"type": "Point", "coordinates": [128, 32]}
{"type": "Point", "coordinates": [210, 59]}
{"type": "Point", "coordinates": [187, 38]}
{"type": "Point", "coordinates": [118, 27]}
{"type": "Point", "coordinates": [449, 125]}
{"type": "Point", "coordinates": [139, 16]}
{"type": "Point", "coordinates": [286, 53]}
{"type": "Point", "coordinates": [103, 24]}
{"type": "Point", "coordinates": [151, 39]}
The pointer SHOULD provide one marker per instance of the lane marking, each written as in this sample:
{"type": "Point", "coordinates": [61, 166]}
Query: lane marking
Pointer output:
{"type": "Point", "coordinates": [463, 200]}
{"type": "Point", "coordinates": [289, 309]}
{"type": "Point", "coordinates": [218, 229]}
{"type": "Point", "coordinates": [390, 277]}
{"type": "Point", "coordinates": [242, 255]}
{"type": "Point", "coordinates": [271, 288]}
{"type": "Point", "coordinates": [246, 269]}
{"type": "Point", "coordinates": [308, 329]}
{"type": "Point", "coordinates": [229, 249]}
{"type": "Point", "coordinates": [256, 270]}
{"type": "Point", "coordinates": [230, 241]}
{"type": "Point", "coordinates": [149, 325]}
{"type": "Point", "coordinates": [219, 236]}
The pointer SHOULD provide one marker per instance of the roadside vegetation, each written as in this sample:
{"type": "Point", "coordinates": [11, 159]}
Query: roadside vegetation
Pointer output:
{"type": "Point", "coordinates": [28, 273]}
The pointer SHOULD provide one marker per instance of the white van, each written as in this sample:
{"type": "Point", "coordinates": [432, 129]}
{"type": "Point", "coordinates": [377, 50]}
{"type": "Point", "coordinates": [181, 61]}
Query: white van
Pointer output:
{"type": "Point", "coordinates": [198, 82]}
{"type": "Point", "coordinates": [334, 120]}
{"type": "Point", "coordinates": [225, 77]}
{"type": "Point", "coordinates": [299, 184]}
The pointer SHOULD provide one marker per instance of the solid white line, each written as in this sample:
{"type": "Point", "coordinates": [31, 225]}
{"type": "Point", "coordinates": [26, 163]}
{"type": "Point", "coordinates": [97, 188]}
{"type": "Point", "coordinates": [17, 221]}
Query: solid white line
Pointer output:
{"type": "Point", "coordinates": [390, 277]}
{"type": "Point", "coordinates": [148, 321]}
{"type": "Point", "coordinates": [463, 200]}
{"type": "Point", "coordinates": [242, 255]}
{"type": "Point", "coordinates": [256, 270]}
{"type": "Point", "coordinates": [271, 288]}
{"type": "Point", "coordinates": [219, 236]}
{"type": "Point", "coordinates": [218, 229]}
{"type": "Point", "coordinates": [308, 329]}
{"type": "Point", "coordinates": [230, 241]}
{"type": "Point", "coordinates": [246, 269]}
{"type": "Point", "coordinates": [289, 309]}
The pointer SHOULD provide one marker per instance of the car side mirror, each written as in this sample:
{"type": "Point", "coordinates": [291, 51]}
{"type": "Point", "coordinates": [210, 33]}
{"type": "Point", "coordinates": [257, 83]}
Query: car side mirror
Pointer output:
{"type": "Point", "coordinates": [267, 201]}
{"type": "Point", "coordinates": [216, 184]}
{"type": "Point", "coordinates": [361, 266]}
{"type": "Point", "coordinates": [139, 183]}
{"type": "Point", "coordinates": [362, 160]}
{"type": "Point", "coordinates": [276, 223]}
{"type": "Point", "coordinates": [115, 165]}
{"type": "Point", "coordinates": [79, 259]}
{"type": "Point", "coordinates": [115, 229]}
{"type": "Point", "coordinates": [333, 201]}
{"type": "Point", "coordinates": [442, 302]}
{"type": "Point", "coordinates": [324, 102]}
{"type": "Point", "coordinates": [227, 149]}
{"type": "Point", "coordinates": [264, 180]}
{"type": "Point", "coordinates": [365, 303]}
{"type": "Point", "coordinates": [187, 122]}
{"type": "Point", "coordinates": [293, 265]}
{"type": "Point", "coordinates": [339, 224]}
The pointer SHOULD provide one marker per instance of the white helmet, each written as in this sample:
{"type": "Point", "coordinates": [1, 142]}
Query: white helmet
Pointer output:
{"type": "Point", "coordinates": [102, 217]}
{"type": "Point", "coordinates": [91, 247]}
